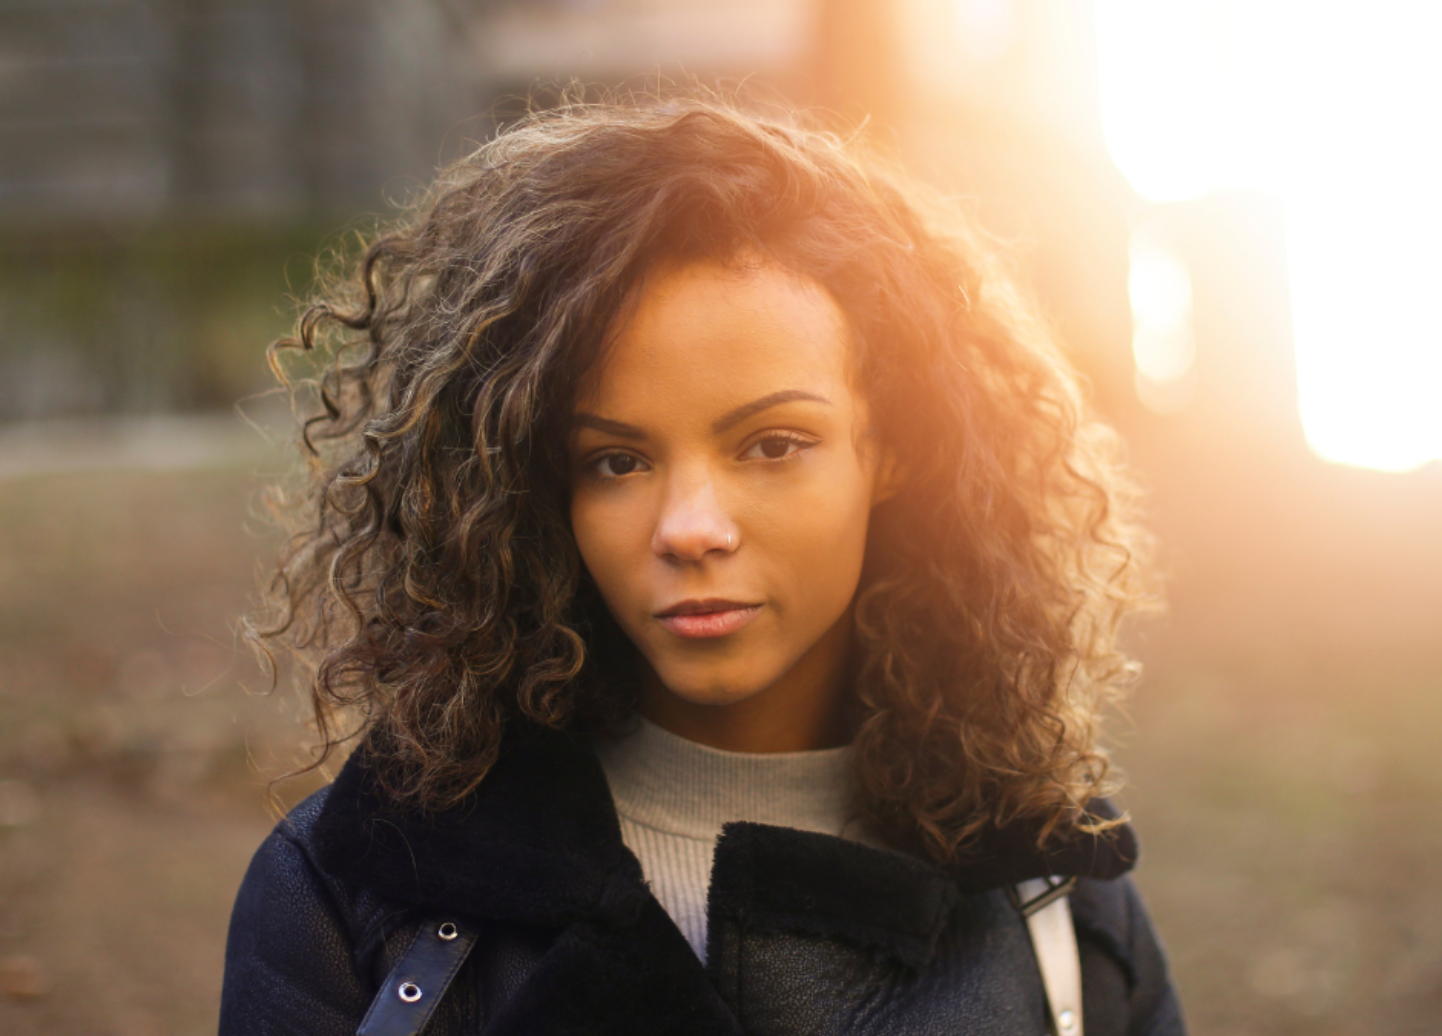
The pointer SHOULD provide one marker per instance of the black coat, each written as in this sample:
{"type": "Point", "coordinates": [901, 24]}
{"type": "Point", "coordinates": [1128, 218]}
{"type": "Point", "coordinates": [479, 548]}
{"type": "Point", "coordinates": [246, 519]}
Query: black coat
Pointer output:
{"type": "Point", "coordinates": [806, 933]}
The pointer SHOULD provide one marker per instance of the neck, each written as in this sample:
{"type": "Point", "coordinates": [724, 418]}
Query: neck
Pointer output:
{"type": "Point", "coordinates": [802, 711]}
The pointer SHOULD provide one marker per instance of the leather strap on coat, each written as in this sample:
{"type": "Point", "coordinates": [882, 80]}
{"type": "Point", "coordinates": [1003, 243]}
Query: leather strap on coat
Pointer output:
{"type": "Point", "coordinates": [415, 986]}
{"type": "Point", "coordinates": [1043, 902]}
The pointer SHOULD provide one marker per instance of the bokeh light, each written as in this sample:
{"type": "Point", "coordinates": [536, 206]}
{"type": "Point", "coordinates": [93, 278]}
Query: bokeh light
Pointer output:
{"type": "Point", "coordinates": [1334, 108]}
{"type": "Point", "coordinates": [1163, 342]}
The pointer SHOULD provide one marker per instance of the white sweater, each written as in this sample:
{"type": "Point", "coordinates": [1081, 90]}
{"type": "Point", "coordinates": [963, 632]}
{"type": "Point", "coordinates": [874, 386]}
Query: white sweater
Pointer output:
{"type": "Point", "coordinates": [673, 796]}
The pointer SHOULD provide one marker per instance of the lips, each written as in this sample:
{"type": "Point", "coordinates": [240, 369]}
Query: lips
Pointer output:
{"type": "Point", "coordinates": [709, 618]}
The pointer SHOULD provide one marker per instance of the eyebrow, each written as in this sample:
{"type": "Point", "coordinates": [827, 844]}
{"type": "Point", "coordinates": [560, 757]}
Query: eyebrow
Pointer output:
{"type": "Point", "coordinates": [741, 413]}
{"type": "Point", "coordinates": [727, 420]}
{"type": "Point", "coordinates": [605, 424]}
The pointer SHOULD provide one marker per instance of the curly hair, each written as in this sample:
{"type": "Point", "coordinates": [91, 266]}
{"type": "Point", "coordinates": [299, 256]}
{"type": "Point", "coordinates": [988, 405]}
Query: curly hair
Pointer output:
{"type": "Point", "coordinates": [432, 579]}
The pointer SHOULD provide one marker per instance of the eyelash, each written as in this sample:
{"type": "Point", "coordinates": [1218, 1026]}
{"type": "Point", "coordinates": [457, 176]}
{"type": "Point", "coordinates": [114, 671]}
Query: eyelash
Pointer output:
{"type": "Point", "coordinates": [593, 466]}
{"type": "Point", "coordinates": [801, 442]}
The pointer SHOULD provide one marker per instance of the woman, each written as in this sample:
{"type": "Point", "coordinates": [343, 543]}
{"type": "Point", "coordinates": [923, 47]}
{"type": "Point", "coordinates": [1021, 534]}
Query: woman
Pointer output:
{"type": "Point", "coordinates": [722, 575]}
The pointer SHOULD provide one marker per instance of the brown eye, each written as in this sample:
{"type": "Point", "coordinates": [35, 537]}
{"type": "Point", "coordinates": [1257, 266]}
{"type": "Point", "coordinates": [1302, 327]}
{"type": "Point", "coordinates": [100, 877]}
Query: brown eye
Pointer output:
{"type": "Point", "coordinates": [614, 465]}
{"type": "Point", "coordinates": [777, 447]}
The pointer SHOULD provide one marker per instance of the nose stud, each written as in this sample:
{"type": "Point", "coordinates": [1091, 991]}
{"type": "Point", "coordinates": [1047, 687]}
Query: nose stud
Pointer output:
{"type": "Point", "coordinates": [728, 541]}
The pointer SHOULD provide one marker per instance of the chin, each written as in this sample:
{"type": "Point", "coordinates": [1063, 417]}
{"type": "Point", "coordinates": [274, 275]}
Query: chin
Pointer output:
{"type": "Point", "coordinates": [710, 687]}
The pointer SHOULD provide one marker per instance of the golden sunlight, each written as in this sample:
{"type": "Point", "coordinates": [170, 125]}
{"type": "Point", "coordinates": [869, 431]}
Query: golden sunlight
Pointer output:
{"type": "Point", "coordinates": [1336, 109]}
{"type": "Point", "coordinates": [1163, 345]}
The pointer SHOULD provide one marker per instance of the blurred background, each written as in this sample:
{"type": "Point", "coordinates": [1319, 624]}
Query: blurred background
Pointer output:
{"type": "Point", "coordinates": [1228, 209]}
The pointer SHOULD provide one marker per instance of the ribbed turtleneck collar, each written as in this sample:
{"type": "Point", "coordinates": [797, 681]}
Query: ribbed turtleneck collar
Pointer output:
{"type": "Point", "coordinates": [671, 784]}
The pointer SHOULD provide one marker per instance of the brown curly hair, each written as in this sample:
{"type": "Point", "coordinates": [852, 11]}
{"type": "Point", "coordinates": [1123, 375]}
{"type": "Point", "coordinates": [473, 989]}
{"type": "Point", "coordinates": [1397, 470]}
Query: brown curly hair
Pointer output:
{"type": "Point", "coordinates": [434, 582]}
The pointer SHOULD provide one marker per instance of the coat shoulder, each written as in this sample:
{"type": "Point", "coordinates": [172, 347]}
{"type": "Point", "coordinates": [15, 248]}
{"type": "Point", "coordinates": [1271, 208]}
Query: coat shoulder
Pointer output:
{"type": "Point", "coordinates": [302, 947]}
{"type": "Point", "coordinates": [1126, 985]}
{"type": "Point", "coordinates": [299, 823]}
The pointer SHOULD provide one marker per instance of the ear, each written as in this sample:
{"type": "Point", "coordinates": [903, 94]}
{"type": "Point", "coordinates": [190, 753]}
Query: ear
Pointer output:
{"type": "Point", "coordinates": [887, 481]}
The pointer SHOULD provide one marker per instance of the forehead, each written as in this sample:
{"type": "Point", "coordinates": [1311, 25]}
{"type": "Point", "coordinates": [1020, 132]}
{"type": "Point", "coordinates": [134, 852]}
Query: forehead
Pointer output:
{"type": "Point", "coordinates": [715, 335]}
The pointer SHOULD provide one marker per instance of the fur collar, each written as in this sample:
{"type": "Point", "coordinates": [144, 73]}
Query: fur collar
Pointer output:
{"type": "Point", "coordinates": [539, 842]}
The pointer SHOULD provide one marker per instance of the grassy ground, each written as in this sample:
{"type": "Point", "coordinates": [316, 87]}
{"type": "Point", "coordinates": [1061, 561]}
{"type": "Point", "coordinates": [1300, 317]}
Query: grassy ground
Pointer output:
{"type": "Point", "coordinates": [1283, 748]}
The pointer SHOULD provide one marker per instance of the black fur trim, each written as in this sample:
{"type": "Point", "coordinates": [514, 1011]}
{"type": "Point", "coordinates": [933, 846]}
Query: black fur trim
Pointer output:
{"type": "Point", "coordinates": [779, 879]}
{"type": "Point", "coordinates": [539, 843]}
{"type": "Point", "coordinates": [1005, 856]}
{"type": "Point", "coordinates": [618, 981]}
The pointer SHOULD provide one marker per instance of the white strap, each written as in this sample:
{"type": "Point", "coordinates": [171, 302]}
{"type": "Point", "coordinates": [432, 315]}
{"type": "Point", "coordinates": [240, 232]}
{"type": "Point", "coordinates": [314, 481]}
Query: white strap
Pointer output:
{"type": "Point", "coordinates": [1054, 940]}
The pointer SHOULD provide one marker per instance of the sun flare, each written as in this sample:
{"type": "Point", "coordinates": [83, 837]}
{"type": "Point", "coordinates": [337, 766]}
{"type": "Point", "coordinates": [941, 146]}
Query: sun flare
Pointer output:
{"type": "Point", "coordinates": [1335, 109]}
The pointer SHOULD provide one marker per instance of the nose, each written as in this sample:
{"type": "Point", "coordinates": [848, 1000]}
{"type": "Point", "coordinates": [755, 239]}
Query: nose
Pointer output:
{"type": "Point", "coordinates": [692, 523]}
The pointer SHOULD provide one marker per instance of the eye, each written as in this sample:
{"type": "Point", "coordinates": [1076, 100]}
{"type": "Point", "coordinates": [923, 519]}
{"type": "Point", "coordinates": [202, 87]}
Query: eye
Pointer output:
{"type": "Point", "coordinates": [615, 465]}
{"type": "Point", "coordinates": [778, 446]}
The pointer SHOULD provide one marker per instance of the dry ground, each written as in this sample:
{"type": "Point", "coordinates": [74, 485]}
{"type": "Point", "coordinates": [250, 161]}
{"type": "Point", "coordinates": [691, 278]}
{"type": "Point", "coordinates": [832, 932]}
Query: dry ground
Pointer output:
{"type": "Point", "coordinates": [1283, 750]}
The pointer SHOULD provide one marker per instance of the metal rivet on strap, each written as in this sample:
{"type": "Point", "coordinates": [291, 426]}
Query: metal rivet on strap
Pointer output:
{"type": "Point", "coordinates": [1067, 1019]}
{"type": "Point", "coordinates": [409, 992]}
{"type": "Point", "coordinates": [447, 931]}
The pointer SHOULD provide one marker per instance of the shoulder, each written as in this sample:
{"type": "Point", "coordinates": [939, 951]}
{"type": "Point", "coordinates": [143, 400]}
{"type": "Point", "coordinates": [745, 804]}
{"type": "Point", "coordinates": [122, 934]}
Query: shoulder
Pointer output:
{"type": "Point", "coordinates": [291, 844]}
{"type": "Point", "coordinates": [289, 872]}
{"type": "Point", "coordinates": [1125, 981]}
{"type": "Point", "coordinates": [286, 872]}
{"type": "Point", "coordinates": [284, 869]}
{"type": "Point", "coordinates": [303, 945]}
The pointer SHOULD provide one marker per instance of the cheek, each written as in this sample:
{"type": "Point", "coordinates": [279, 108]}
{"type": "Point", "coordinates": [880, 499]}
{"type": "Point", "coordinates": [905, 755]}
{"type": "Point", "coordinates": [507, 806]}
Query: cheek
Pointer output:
{"type": "Point", "coordinates": [607, 531]}
{"type": "Point", "coordinates": [817, 537]}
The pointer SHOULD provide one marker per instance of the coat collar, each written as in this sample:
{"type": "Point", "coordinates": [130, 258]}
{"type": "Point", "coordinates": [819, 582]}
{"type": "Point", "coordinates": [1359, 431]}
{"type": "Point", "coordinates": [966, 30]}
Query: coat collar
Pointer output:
{"type": "Point", "coordinates": [539, 842]}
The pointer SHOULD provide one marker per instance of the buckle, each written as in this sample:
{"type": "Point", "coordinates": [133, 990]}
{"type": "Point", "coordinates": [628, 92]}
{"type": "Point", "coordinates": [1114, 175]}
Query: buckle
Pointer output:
{"type": "Point", "coordinates": [1052, 889]}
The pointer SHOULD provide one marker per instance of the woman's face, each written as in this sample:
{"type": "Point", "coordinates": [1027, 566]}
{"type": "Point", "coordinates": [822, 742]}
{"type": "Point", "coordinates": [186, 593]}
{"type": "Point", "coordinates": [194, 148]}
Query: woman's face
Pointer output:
{"type": "Point", "coordinates": [722, 483]}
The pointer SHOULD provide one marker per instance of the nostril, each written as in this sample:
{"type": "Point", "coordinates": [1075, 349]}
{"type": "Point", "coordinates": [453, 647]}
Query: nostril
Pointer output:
{"type": "Point", "coordinates": [691, 536]}
{"type": "Point", "coordinates": [693, 544]}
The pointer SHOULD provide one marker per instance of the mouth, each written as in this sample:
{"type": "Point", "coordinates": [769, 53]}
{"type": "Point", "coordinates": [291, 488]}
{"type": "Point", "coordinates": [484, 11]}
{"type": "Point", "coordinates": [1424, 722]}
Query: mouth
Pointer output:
{"type": "Point", "coordinates": [709, 618]}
